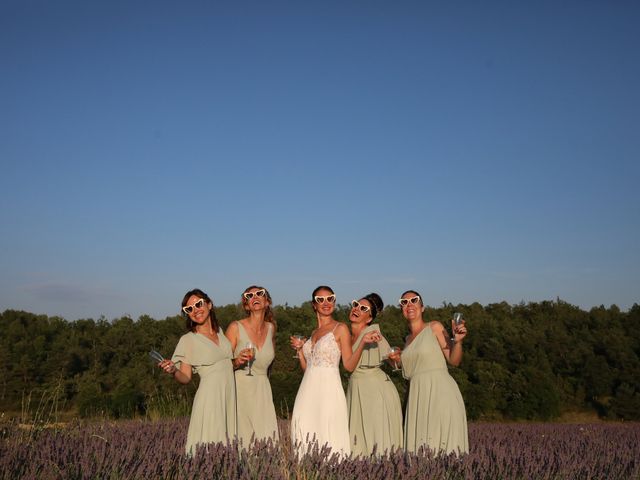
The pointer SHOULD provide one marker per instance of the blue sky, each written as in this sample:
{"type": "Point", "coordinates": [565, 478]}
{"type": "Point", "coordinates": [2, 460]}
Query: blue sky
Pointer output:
{"type": "Point", "coordinates": [474, 151]}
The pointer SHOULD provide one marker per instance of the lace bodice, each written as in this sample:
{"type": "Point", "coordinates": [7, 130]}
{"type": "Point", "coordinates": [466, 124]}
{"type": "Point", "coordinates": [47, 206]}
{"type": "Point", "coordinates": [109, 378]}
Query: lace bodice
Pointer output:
{"type": "Point", "coordinates": [325, 353]}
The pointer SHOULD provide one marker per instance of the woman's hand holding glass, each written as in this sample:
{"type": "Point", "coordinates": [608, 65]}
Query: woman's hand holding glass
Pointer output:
{"type": "Point", "coordinates": [394, 358]}
{"type": "Point", "coordinates": [246, 354]}
{"type": "Point", "coordinates": [168, 366]}
{"type": "Point", "coordinates": [250, 349]}
{"type": "Point", "coordinates": [458, 327]}
{"type": "Point", "coordinates": [297, 341]}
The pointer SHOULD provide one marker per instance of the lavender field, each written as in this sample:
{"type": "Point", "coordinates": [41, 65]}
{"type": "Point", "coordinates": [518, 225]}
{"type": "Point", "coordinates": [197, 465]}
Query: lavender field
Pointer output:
{"type": "Point", "coordinates": [142, 449]}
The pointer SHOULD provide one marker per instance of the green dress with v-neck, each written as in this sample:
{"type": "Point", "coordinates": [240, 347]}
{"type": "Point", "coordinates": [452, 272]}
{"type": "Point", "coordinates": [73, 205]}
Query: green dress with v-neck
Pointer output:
{"type": "Point", "coordinates": [256, 412]}
{"type": "Point", "coordinates": [213, 415]}
{"type": "Point", "coordinates": [435, 415]}
{"type": "Point", "coordinates": [375, 414]}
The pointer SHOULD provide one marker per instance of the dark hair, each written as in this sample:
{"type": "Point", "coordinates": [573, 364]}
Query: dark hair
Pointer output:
{"type": "Point", "coordinates": [413, 291]}
{"type": "Point", "coordinates": [376, 304]}
{"type": "Point", "coordinates": [268, 314]}
{"type": "Point", "coordinates": [191, 325]}
{"type": "Point", "coordinates": [317, 289]}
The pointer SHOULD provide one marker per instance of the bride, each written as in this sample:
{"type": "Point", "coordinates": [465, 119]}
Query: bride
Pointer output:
{"type": "Point", "coordinates": [320, 410]}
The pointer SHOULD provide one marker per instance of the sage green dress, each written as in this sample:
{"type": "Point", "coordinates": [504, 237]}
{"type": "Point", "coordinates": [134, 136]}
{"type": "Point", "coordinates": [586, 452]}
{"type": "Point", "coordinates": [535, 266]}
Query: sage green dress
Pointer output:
{"type": "Point", "coordinates": [435, 415]}
{"type": "Point", "coordinates": [256, 413]}
{"type": "Point", "coordinates": [213, 415]}
{"type": "Point", "coordinates": [375, 414]}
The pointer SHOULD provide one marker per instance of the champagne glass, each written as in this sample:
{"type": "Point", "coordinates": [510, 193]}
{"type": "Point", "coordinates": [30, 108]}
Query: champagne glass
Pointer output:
{"type": "Point", "coordinates": [252, 350]}
{"type": "Point", "coordinates": [156, 356]}
{"type": "Point", "coordinates": [297, 336]}
{"type": "Point", "coordinates": [457, 320]}
{"type": "Point", "coordinates": [394, 364]}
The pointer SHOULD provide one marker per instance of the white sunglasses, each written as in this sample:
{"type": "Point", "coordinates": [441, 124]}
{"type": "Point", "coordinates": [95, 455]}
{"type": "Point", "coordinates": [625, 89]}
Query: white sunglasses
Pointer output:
{"type": "Point", "coordinates": [406, 301]}
{"type": "Point", "coordinates": [189, 308]}
{"type": "Point", "coordinates": [258, 293]}
{"type": "Point", "coordinates": [360, 306]}
{"type": "Point", "coordinates": [328, 298]}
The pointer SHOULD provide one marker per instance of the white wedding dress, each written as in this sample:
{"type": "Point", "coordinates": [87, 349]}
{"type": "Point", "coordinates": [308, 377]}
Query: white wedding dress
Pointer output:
{"type": "Point", "coordinates": [320, 411]}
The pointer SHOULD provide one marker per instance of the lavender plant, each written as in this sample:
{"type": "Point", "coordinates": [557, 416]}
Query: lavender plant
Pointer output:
{"type": "Point", "coordinates": [142, 450]}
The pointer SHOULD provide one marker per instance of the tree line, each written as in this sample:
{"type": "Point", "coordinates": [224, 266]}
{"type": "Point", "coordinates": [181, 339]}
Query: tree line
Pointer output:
{"type": "Point", "coordinates": [532, 361]}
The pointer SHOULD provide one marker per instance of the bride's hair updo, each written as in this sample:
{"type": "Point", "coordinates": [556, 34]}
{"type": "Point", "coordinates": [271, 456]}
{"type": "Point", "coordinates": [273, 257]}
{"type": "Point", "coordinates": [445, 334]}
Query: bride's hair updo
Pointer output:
{"type": "Point", "coordinates": [376, 304]}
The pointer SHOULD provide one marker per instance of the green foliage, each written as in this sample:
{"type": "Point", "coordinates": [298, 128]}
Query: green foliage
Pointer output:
{"type": "Point", "coordinates": [526, 361]}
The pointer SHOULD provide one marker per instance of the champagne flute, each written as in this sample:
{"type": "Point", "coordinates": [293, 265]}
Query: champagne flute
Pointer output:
{"type": "Point", "coordinates": [297, 336]}
{"type": "Point", "coordinates": [156, 356]}
{"type": "Point", "coordinates": [457, 320]}
{"type": "Point", "coordinates": [392, 350]}
{"type": "Point", "coordinates": [252, 350]}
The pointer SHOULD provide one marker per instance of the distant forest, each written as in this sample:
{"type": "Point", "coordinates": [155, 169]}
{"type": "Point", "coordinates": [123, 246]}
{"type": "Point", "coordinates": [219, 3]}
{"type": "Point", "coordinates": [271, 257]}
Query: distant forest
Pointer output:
{"type": "Point", "coordinates": [532, 361]}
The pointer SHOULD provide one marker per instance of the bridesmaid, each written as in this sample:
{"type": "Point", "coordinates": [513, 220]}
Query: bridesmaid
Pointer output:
{"type": "Point", "coordinates": [375, 414]}
{"type": "Point", "coordinates": [206, 351]}
{"type": "Point", "coordinates": [256, 412]}
{"type": "Point", "coordinates": [435, 415]}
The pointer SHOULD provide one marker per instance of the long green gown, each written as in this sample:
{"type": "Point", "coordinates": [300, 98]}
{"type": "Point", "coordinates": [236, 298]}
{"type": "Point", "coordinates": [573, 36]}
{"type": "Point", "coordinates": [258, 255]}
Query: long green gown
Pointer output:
{"type": "Point", "coordinates": [256, 412]}
{"type": "Point", "coordinates": [213, 415]}
{"type": "Point", "coordinates": [375, 414]}
{"type": "Point", "coordinates": [435, 415]}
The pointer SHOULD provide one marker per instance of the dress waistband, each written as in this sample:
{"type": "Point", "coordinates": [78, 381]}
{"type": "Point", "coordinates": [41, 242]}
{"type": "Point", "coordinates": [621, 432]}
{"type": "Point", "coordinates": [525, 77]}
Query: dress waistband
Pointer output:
{"type": "Point", "coordinates": [244, 371]}
{"type": "Point", "coordinates": [366, 370]}
{"type": "Point", "coordinates": [368, 373]}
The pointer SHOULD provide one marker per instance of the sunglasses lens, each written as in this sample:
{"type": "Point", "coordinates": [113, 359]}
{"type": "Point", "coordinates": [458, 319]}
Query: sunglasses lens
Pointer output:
{"type": "Point", "coordinates": [248, 295]}
{"type": "Point", "coordinates": [187, 310]}
{"type": "Point", "coordinates": [260, 293]}
{"type": "Point", "coordinates": [415, 300]}
{"type": "Point", "coordinates": [331, 298]}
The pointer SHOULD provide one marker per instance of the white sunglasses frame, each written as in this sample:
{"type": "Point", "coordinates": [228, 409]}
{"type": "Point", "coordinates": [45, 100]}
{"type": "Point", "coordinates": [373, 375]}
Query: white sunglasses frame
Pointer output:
{"type": "Point", "coordinates": [363, 308]}
{"type": "Point", "coordinates": [193, 306]}
{"type": "Point", "coordinates": [262, 293]}
{"type": "Point", "coordinates": [406, 301]}
{"type": "Point", "coordinates": [324, 298]}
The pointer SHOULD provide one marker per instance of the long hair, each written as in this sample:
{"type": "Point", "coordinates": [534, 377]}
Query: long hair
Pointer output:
{"type": "Point", "coordinates": [191, 325]}
{"type": "Point", "coordinates": [268, 313]}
